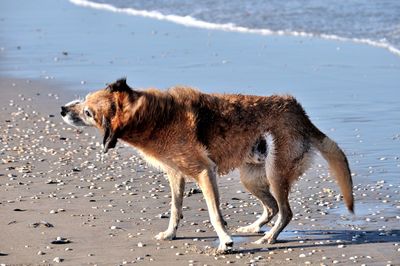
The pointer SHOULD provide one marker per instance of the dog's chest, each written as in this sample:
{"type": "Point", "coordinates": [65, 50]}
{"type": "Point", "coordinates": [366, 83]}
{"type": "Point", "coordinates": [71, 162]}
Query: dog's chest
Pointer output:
{"type": "Point", "coordinates": [156, 163]}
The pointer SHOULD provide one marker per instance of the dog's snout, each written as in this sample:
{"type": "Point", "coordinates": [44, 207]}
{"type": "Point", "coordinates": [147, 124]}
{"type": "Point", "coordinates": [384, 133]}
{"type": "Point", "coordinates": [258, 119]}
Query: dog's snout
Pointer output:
{"type": "Point", "coordinates": [64, 110]}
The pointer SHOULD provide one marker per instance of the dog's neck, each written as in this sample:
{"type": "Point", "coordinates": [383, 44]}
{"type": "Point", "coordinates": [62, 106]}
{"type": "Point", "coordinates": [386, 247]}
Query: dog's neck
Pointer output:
{"type": "Point", "coordinates": [152, 110]}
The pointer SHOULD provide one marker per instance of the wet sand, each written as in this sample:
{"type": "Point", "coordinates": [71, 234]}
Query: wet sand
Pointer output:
{"type": "Point", "coordinates": [62, 201]}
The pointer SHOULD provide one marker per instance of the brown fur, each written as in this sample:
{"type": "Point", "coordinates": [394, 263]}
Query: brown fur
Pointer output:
{"type": "Point", "coordinates": [191, 134]}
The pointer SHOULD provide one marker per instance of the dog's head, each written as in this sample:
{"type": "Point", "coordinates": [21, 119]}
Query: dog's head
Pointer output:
{"type": "Point", "coordinates": [104, 109]}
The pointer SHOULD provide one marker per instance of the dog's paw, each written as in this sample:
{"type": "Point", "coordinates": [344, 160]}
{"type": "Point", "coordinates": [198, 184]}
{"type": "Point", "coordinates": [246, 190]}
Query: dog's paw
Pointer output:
{"type": "Point", "coordinates": [260, 241]}
{"type": "Point", "coordinates": [265, 239]}
{"type": "Point", "coordinates": [225, 247]}
{"type": "Point", "coordinates": [166, 235]}
{"type": "Point", "coordinates": [249, 229]}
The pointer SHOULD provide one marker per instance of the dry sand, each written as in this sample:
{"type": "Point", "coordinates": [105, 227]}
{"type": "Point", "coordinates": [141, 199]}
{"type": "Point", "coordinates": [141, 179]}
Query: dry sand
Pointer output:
{"type": "Point", "coordinates": [62, 201]}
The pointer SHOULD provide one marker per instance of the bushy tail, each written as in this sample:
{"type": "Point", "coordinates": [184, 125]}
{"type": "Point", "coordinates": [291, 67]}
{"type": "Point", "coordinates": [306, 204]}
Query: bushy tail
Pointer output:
{"type": "Point", "coordinates": [338, 165]}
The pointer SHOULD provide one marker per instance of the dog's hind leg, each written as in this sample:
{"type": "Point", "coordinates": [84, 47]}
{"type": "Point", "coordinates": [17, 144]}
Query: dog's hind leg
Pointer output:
{"type": "Point", "coordinates": [254, 179]}
{"type": "Point", "coordinates": [177, 185]}
{"type": "Point", "coordinates": [280, 190]}
{"type": "Point", "coordinates": [208, 184]}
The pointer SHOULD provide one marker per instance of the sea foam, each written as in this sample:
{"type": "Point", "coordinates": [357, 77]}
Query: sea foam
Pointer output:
{"type": "Point", "coordinates": [189, 21]}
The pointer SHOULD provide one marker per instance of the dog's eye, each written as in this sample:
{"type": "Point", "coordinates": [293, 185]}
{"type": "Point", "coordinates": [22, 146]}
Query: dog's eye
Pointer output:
{"type": "Point", "coordinates": [88, 113]}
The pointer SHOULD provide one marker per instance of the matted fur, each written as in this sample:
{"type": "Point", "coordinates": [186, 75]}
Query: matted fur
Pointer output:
{"type": "Point", "coordinates": [190, 134]}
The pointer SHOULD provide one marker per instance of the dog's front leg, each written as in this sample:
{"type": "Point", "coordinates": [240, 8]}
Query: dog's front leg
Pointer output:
{"type": "Point", "coordinates": [208, 184]}
{"type": "Point", "coordinates": [177, 184]}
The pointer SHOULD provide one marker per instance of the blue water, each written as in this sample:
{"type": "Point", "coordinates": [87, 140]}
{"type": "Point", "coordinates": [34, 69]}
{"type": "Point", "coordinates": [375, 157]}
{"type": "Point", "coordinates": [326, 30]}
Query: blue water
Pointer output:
{"type": "Point", "coordinates": [375, 22]}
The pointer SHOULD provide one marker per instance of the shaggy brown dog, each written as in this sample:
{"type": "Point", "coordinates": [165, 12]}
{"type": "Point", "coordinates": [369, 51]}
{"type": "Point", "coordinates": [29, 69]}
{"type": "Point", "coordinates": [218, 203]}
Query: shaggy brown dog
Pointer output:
{"type": "Point", "coordinates": [191, 134]}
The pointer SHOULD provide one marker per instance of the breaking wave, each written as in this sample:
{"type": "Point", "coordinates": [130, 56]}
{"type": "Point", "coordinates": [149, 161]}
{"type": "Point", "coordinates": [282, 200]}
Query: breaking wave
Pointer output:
{"type": "Point", "coordinates": [189, 21]}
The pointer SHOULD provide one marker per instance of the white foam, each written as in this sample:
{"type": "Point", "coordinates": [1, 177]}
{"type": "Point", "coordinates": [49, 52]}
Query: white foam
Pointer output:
{"type": "Point", "coordinates": [230, 27]}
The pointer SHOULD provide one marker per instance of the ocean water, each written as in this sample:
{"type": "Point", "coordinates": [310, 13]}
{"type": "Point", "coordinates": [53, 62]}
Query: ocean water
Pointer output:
{"type": "Point", "coordinates": [372, 22]}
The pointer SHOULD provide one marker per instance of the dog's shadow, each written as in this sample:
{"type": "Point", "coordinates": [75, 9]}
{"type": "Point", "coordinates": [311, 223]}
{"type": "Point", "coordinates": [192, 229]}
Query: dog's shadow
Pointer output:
{"type": "Point", "coordinates": [308, 239]}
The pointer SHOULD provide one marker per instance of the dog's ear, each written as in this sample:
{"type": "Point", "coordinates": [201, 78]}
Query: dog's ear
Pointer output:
{"type": "Point", "coordinates": [119, 86]}
{"type": "Point", "coordinates": [110, 137]}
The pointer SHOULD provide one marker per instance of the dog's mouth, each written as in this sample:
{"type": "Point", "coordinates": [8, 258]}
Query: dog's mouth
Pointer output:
{"type": "Point", "coordinates": [70, 116]}
{"type": "Point", "coordinates": [72, 120]}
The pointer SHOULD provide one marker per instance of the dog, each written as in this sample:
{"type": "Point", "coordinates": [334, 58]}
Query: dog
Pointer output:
{"type": "Point", "coordinates": [190, 134]}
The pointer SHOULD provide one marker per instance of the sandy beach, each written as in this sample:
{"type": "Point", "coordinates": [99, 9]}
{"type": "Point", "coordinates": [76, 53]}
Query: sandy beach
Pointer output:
{"type": "Point", "coordinates": [63, 202]}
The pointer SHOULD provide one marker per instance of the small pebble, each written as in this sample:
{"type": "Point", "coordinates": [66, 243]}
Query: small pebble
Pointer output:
{"type": "Point", "coordinates": [60, 240]}
{"type": "Point", "coordinates": [58, 259]}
